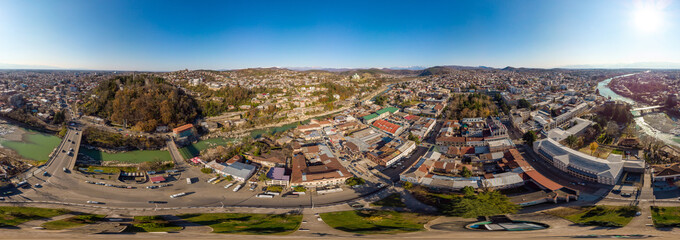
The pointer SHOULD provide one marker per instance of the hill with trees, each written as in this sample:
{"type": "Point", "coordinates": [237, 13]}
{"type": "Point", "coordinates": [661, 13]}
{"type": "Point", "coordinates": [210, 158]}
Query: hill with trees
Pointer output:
{"type": "Point", "coordinates": [143, 102]}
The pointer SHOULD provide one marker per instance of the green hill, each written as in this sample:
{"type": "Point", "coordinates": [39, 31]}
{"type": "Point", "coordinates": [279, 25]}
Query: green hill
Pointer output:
{"type": "Point", "coordinates": [144, 102]}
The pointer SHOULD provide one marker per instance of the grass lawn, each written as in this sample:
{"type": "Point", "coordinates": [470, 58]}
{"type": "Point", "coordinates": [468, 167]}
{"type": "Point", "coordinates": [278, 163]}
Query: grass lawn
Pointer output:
{"type": "Point", "coordinates": [666, 216]}
{"type": "Point", "coordinates": [617, 151]}
{"type": "Point", "coordinates": [601, 152]}
{"type": "Point", "coordinates": [113, 170]}
{"type": "Point", "coordinates": [606, 216]}
{"type": "Point", "coordinates": [152, 224]}
{"type": "Point", "coordinates": [393, 200]}
{"type": "Point", "coordinates": [195, 149]}
{"type": "Point", "coordinates": [376, 221]}
{"type": "Point", "coordinates": [12, 216]}
{"type": "Point", "coordinates": [72, 222]}
{"type": "Point", "coordinates": [246, 223]}
{"type": "Point", "coordinates": [677, 140]}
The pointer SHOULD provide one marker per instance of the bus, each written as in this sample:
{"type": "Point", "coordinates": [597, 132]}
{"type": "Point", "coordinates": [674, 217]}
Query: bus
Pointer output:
{"type": "Point", "coordinates": [22, 184]}
{"type": "Point", "coordinates": [212, 179]}
{"type": "Point", "coordinates": [178, 195]}
{"type": "Point", "coordinates": [264, 195]}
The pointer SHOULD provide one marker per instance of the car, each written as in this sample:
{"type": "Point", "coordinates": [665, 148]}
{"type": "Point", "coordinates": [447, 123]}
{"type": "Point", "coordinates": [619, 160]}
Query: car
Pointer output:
{"type": "Point", "coordinates": [638, 213]}
{"type": "Point", "coordinates": [2, 198]}
{"type": "Point", "coordinates": [159, 202]}
{"type": "Point", "coordinates": [252, 187]}
{"type": "Point", "coordinates": [37, 185]}
{"type": "Point", "coordinates": [93, 202]}
{"type": "Point", "coordinates": [319, 219]}
{"type": "Point", "coordinates": [45, 174]}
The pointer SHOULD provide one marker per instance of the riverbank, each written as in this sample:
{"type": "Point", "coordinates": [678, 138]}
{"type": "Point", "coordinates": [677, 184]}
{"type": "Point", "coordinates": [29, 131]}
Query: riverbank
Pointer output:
{"type": "Point", "coordinates": [644, 126]}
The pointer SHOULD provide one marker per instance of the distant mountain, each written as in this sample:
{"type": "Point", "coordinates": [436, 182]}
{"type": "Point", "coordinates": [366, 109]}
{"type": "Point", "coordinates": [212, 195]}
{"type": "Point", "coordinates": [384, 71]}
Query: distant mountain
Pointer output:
{"type": "Point", "coordinates": [636, 65]}
{"type": "Point", "coordinates": [23, 66]}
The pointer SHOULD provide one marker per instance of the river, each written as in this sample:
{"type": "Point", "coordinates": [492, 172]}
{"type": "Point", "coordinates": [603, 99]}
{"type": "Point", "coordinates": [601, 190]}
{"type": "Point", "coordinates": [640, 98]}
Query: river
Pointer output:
{"type": "Point", "coordinates": [606, 92]}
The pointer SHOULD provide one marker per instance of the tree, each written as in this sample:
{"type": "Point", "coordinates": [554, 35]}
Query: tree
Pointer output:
{"type": "Point", "coordinates": [413, 138]}
{"type": "Point", "coordinates": [593, 146]}
{"type": "Point", "coordinates": [530, 137]}
{"type": "Point", "coordinates": [229, 178]}
{"type": "Point", "coordinates": [571, 140]}
{"type": "Point", "coordinates": [407, 185]}
{"type": "Point", "coordinates": [263, 178]}
{"type": "Point", "coordinates": [523, 103]}
{"type": "Point", "coordinates": [353, 181]}
{"type": "Point", "coordinates": [468, 191]}
{"type": "Point", "coordinates": [380, 100]}
{"type": "Point", "coordinates": [465, 172]}
{"type": "Point", "coordinates": [206, 170]}
{"type": "Point", "coordinates": [62, 132]}
{"type": "Point", "coordinates": [59, 117]}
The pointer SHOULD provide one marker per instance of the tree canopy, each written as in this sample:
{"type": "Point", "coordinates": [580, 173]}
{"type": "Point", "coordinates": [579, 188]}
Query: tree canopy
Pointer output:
{"type": "Point", "coordinates": [143, 102]}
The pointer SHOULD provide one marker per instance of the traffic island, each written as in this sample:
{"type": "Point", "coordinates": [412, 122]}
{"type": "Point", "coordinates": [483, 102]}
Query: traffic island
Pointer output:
{"type": "Point", "coordinates": [376, 221]}
{"type": "Point", "coordinates": [246, 223]}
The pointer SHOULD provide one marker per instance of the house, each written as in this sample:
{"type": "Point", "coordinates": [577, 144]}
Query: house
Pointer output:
{"type": "Point", "coordinates": [328, 171]}
{"type": "Point", "coordinates": [278, 176]}
{"type": "Point", "coordinates": [186, 130]}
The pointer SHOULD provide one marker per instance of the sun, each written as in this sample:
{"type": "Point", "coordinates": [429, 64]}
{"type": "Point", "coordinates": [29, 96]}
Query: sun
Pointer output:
{"type": "Point", "coordinates": [648, 15]}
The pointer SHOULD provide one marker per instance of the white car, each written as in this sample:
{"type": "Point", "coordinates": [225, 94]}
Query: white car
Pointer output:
{"type": "Point", "coordinates": [93, 202]}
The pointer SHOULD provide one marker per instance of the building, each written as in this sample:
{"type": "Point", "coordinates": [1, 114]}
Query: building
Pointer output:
{"type": "Point", "coordinates": [186, 130]}
{"type": "Point", "coordinates": [327, 172]}
{"type": "Point", "coordinates": [238, 170]}
{"type": "Point", "coordinates": [590, 168]}
{"type": "Point", "coordinates": [278, 176]}
{"type": "Point", "coordinates": [666, 173]}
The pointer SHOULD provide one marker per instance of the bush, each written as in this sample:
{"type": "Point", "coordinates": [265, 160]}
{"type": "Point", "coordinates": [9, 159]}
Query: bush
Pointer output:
{"type": "Point", "coordinates": [206, 170]}
{"type": "Point", "coordinates": [353, 181]}
{"type": "Point", "coordinates": [602, 223]}
{"type": "Point", "coordinates": [299, 189]}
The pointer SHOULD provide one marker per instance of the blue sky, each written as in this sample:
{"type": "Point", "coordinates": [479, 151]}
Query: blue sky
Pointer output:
{"type": "Point", "coordinates": [173, 35]}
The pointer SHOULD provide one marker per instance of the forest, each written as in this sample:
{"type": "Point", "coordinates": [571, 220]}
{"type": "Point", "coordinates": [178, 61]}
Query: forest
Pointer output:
{"type": "Point", "coordinates": [143, 102]}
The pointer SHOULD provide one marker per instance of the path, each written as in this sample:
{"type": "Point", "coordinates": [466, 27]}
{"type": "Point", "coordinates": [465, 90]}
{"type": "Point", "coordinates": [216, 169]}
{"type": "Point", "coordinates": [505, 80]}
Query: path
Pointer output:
{"type": "Point", "coordinates": [38, 222]}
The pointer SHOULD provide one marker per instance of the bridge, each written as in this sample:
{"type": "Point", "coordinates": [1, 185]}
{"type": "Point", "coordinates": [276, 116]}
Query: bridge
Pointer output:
{"type": "Point", "coordinates": [650, 109]}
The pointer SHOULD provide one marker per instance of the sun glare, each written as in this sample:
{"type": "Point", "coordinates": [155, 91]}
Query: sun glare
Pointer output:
{"type": "Point", "coordinates": [648, 16]}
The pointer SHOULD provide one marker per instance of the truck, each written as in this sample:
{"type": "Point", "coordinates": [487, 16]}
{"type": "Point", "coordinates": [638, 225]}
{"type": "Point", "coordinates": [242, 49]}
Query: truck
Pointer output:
{"type": "Point", "coordinates": [237, 188]}
{"type": "Point", "coordinates": [189, 181]}
{"type": "Point", "coordinates": [229, 185]}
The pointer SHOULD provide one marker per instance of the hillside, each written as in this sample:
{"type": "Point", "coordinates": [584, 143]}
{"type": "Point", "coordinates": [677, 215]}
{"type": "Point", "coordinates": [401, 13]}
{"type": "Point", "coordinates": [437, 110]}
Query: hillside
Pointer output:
{"type": "Point", "coordinates": [144, 102]}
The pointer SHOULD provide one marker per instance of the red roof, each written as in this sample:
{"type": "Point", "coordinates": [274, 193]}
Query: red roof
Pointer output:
{"type": "Point", "coordinates": [183, 128]}
{"type": "Point", "coordinates": [386, 126]}
{"type": "Point", "coordinates": [158, 179]}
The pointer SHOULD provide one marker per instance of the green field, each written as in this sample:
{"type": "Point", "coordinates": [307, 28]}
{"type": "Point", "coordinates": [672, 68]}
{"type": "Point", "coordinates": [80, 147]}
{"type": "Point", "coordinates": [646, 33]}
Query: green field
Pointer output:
{"type": "Point", "coordinates": [605, 216]}
{"type": "Point", "coordinates": [666, 216]}
{"type": "Point", "coordinates": [128, 157]}
{"type": "Point", "coordinates": [36, 146]}
{"type": "Point", "coordinates": [72, 222]}
{"type": "Point", "coordinates": [677, 140]}
{"type": "Point", "coordinates": [246, 223]}
{"type": "Point", "coordinates": [152, 224]}
{"type": "Point", "coordinates": [376, 221]}
{"type": "Point", "coordinates": [393, 200]}
{"type": "Point", "coordinates": [12, 216]}
{"type": "Point", "coordinates": [195, 149]}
